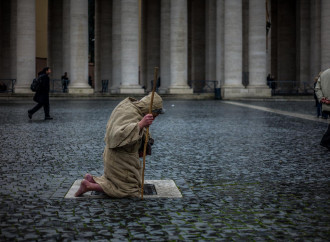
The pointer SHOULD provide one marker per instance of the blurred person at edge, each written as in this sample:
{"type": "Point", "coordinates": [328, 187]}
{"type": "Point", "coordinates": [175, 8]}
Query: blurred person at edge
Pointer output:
{"type": "Point", "coordinates": [322, 90]}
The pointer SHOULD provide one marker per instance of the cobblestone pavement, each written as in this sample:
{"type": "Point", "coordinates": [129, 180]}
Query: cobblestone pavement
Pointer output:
{"type": "Point", "coordinates": [244, 174]}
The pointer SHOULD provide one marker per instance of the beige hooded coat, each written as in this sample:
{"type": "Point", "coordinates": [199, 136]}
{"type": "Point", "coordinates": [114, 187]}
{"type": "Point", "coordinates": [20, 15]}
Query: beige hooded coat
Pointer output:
{"type": "Point", "coordinates": [122, 166]}
{"type": "Point", "coordinates": [322, 88]}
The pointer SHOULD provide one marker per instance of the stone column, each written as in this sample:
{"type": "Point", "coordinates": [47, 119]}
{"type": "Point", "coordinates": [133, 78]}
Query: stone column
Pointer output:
{"type": "Point", "coordinates": [116, 46]}
{"type": "Point", "coordinates": [2, 27]}
{"type": "Point", "coordinates": [210, 43]}
{"type": "Point", "coordinates": [26, 45]}
{"type": "Point", "coordinates": [165, 46]}
{"type": "Point", "coordinates": [197, 37]}
{"type": "Point", "coordinates": [129, 47]}
{"type": "Point", "coordinates": [13, 40]}
{"type": "Point", "coordinates": [325, 34]}
{"type": "Point", "coordinates": [143, 43]}
{"type": "Point", "coordinates": [257, 50]}
{"type": "Point", "coordinates": [303, 53]}
{"type": "Point", "coordinates": [315, 55]}
{"type": "Point", "coordinates": [103, 42]}
{"type": "Point", "coordinates": [273, 48]}
{"type": "Point", "coordinates": [268, 38]}
{"type": "Point", "coordinates": [97, 48]}
{"type": "Point", "coordinates": [106, 42]}
{"type": "Point", "coordinates": [233, 49]}
{"type": "Point", "coordinates": [286, 43]}
{"type": "Point", "coordinates": [179, 48]}
{"type": "Point", "coordinates": [79, 47]}
{"type": "Point", "coordinates": [245, 42]}
{"type": "Point", "coordinates": [66, 38]}
{"type": "Point", "coordinates": [153, 39]}
{"type": "Point", "coordinates": [220, 43]}
{"type": "Point", "coordinates": [125, 55]}
{"type": "Point", "coordinates": [5, 40]}
{"type": "Point", "coordinates": [55, 34]}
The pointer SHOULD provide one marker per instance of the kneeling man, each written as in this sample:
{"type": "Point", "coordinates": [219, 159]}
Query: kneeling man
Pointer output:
{"type": "Point", "coordinates": [124, 135]}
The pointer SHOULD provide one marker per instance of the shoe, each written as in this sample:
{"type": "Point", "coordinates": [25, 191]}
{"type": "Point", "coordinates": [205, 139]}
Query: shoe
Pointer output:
{"type": "Point", "coordinates": [48, 118]}
{"type": "Point", "coordinates": [29, 114]}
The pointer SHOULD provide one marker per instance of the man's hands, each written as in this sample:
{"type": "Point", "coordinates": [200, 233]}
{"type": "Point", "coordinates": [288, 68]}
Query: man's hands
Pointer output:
{"type": "Point", "coordinates": [325, 100]}
{"type": "Point", "coordinates": [146, 121]}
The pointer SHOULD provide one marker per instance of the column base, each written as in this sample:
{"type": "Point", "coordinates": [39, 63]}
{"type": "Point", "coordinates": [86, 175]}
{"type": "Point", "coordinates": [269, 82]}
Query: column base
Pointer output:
{"type": "Point", "coordinates": [259, 91]}
{"type": "Point", "coordinates": [241, 92]}
{"type": "Point", "coordinates": [162, 90]}
{"type": "Point", "coordinates": [136, 89]}
{"type": "Point", "coordinates": [22, 90]}
{"type": "Point", "coordinates": [81, 90]}
{"type": "Point", "coordinates": [180, 90]}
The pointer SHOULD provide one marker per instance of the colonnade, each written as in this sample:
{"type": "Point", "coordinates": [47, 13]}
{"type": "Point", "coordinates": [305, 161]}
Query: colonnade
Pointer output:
{"type": "Point", "coordinates": [68, 42]}
{"type": "Point", "coordinates": [189, 40]}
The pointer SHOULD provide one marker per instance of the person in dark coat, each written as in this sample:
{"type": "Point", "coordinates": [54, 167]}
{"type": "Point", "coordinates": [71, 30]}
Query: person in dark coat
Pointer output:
{"type": "Point", "coordinates": [42, 94]}
{"type": "Point", "coordinates": [65, 82]}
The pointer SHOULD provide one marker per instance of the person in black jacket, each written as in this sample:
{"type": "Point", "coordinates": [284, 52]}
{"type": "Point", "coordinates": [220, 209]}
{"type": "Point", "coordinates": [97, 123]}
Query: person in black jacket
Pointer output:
{"type": "Point", "coordinates": [65, 82]}
{"type": "Point", "coordinates": [42, 94]}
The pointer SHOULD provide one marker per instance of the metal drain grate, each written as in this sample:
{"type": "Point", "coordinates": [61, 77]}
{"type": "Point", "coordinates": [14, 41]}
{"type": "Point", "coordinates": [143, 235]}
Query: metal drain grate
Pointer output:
{"type": "Point", "coordinates": [148, 189]}
{"type": "Point", "coordinates": [96, 193]}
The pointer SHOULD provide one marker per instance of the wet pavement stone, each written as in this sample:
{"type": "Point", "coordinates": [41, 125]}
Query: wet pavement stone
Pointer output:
{"type": "Point", "coordinates": [244, 174]}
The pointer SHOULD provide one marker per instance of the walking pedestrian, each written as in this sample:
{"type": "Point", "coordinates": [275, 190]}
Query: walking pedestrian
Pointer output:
{"type": "Point", "coordinates": [322, 90]}
{"type": "Point", "coordinates": [124, 135]}
{"type": "Point", "coordinates": [42, 94]}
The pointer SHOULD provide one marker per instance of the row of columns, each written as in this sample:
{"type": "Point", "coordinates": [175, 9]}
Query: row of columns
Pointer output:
{"type": "Point", "coordinates": [227, 46]}
{"type": "Point", "coordinates": [318, 46]}
{"type": "Point", "coordinates": [68, 23]}
{"type": "Point", "coordinates": [224, 56]}
{"type": "Point", "coordinates": [18, 58]}
{"type": "Point", "coordinates": [300, 46]}
{"type": "Point", "coordinates": [68, 42]}
{"type": "Point", "coordinates": [170, 54]}
{"type": "Point", "coordinates": [117, 44]}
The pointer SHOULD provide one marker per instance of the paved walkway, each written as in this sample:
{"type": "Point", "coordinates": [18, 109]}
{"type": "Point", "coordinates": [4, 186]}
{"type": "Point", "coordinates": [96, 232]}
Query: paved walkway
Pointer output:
{"type": "Point", "coordinates": [245, 173]}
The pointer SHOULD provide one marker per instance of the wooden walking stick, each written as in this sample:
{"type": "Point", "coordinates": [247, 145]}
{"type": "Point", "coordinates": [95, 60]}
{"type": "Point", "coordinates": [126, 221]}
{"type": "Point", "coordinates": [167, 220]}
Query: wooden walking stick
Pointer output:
{"type": "Point", "coordinates": [147, 133]}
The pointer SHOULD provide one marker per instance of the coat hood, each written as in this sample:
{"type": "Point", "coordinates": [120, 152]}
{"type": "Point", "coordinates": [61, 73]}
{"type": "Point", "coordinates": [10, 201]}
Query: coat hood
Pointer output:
{"type": "Point", "coordinates": [144, 103]}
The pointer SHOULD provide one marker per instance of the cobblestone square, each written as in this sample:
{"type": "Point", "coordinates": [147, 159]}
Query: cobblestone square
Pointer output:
{"type": "Point", "coordinates": [244, 173]}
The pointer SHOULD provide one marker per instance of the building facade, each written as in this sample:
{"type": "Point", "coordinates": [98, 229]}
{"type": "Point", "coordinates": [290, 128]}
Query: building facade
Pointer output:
{"type": "Point", "coordinates": [234, 42]}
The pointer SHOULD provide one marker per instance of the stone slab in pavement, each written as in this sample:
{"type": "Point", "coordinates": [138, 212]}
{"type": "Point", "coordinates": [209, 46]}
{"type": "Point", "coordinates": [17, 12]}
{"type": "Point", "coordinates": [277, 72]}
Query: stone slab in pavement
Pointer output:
{"type": "Point", "coordinates": [164, 189]}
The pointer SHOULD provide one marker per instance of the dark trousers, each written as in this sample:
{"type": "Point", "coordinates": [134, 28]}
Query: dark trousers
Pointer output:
{"type": "Point", "coordinates": [318, 109]}
{"type": "Point", "coordinates": [40, 105]}
{"type": "Point", "coordinates": [326, 139]}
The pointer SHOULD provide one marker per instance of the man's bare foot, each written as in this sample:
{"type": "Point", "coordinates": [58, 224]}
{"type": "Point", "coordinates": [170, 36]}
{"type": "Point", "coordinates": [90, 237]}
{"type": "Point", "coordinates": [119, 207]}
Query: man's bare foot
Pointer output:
{"type": "Point", "coordinates": [89, 178]}
{"type": "Point", "coordinates": [84, 185]}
